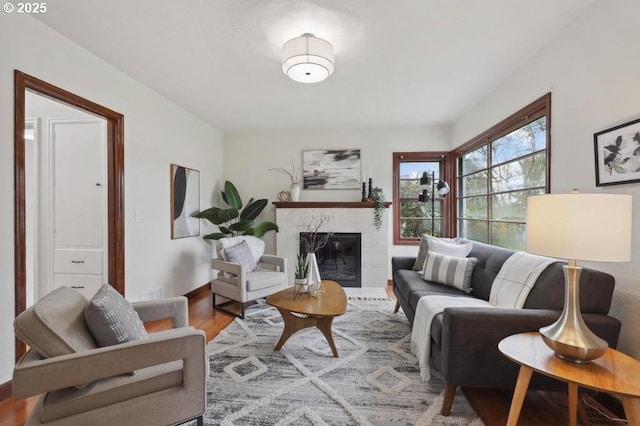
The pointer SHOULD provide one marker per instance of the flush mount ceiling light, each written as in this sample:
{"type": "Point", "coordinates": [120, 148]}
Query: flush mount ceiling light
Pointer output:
{"type": "Point", "coordinates": [307, 59]}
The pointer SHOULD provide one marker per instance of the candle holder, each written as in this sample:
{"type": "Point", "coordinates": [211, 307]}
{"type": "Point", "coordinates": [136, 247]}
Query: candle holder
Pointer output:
{"type": "Point", "coordinates": [364, 192]}
{"type": "Point", "coordinates": [370, 188]}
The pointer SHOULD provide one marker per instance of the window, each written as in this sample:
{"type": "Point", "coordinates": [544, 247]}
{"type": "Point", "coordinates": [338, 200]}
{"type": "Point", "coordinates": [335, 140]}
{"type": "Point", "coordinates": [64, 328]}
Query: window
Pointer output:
{"type": "Point", "coordinates": [497, 171]}
{"type": "Point", "coordinates": [412, 217]}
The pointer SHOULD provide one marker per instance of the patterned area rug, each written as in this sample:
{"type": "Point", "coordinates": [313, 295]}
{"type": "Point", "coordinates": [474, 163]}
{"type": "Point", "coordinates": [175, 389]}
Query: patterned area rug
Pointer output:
{"type": "Point", "coordinates": [375, 381]}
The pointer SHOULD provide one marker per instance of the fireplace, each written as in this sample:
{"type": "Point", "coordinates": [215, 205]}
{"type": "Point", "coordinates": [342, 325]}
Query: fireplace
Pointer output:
{"type": "Point", "coordinates": [340, 259]}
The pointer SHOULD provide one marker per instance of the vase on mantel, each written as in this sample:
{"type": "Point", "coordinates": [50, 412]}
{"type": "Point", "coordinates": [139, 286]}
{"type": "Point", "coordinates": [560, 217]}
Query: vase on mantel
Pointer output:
{"type": "Point", "coordinates": [295, 192]}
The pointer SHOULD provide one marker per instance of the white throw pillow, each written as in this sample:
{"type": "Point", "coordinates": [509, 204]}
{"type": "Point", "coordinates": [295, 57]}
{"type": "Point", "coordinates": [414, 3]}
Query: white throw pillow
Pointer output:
{"type": "Point", "coordinates": [424, 249]}
{"type": "Point", "coordinates": [448, 247]}
{"type": "Point", "coordinates": [452, 271]}
{"type": "Point", "coordinates": [256, 245]}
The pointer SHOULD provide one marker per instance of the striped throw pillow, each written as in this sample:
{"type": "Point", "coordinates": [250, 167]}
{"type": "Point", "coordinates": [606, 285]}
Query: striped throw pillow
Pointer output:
{"type": "Point", "coordinates": [452, 271]}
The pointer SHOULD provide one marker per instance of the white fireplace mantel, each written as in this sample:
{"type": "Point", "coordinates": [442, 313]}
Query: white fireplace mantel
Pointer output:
{"type": "Point", "coordinates": [293, 217]}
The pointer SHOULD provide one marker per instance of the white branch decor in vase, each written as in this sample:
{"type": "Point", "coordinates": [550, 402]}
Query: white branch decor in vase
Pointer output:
{"type": "Point", "coordinates": [296, 177]}
{"type": "Point", "coordinates": [314, 241]}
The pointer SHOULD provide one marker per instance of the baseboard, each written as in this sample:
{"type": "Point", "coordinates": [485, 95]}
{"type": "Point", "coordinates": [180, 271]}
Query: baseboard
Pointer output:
{"type": "Point", "coordinates": [6, 390]}
{"type": "Point", "coordinates": [198, 291]}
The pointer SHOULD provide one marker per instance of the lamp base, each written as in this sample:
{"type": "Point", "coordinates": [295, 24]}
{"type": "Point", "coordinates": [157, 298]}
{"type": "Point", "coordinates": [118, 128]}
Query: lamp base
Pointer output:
{"type": "Point", "coordinates": [569, 337]}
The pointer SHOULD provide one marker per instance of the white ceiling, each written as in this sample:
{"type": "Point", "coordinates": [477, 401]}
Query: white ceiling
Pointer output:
{"type": "Point", "coordinates": [398, 62]}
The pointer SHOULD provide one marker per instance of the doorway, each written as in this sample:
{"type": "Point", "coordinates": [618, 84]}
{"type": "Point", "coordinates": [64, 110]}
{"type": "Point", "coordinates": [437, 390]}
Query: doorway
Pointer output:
{"type": "Point", "coordinates": [25, 135]}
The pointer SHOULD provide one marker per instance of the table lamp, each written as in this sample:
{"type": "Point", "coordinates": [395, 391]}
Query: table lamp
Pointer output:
{"type": "Point", "coordinates": [575, 226]}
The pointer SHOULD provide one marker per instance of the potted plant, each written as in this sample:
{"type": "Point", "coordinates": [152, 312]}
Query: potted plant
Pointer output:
{"type": "Point", "coordinates": [236, 220]}
{"type": "Point", "coordinates": [377, 196]}
{"type": "Point", "coordinates": [302, 269]}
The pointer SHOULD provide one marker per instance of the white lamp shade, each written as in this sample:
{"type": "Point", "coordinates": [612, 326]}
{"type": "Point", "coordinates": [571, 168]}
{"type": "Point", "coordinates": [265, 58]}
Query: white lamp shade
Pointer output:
{"type": "Point", "coordinates": [307, 59]}
{"type": "Point", "coordinates": [591, 227]}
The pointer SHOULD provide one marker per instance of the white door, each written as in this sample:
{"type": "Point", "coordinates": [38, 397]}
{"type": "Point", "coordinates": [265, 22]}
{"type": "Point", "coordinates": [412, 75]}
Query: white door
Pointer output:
{"type": "Point", "coordinates": [79, 204]}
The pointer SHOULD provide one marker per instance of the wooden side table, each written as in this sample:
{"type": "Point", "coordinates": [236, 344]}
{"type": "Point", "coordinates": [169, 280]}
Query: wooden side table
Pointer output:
{"type": "Point", "coordinates": [614, 372]}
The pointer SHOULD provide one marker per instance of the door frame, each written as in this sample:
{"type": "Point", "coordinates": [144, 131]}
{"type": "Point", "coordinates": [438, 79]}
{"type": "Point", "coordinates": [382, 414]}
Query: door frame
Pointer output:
{"type": "Point", "coordinates": [115, 183]}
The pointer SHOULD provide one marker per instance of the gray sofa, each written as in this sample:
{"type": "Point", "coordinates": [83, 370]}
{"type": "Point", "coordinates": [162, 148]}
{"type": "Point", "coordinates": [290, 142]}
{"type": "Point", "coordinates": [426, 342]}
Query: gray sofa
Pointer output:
{"type": "Point", "coordinates": [464, 341]}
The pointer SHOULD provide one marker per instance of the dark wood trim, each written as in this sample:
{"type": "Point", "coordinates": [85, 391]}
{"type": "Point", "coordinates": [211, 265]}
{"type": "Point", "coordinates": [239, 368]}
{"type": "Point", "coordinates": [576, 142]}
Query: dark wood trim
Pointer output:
{"type": "Point", "coordinates": [19, 205]}
{"type": "Point", "coordinates": [198, 291]}
{"type": "Point", "coordinates": [527, 114]}
{"type": "Point", "coordinates": [115, 184]}
{"type": "Point", "coordinates": [538, 108]}
{"type": "Point", "coordinates": [327, 204]}
{"type": "Point", "coordinates": [398, 157]}
{"type": "Point", "coordinates": [6, 390]}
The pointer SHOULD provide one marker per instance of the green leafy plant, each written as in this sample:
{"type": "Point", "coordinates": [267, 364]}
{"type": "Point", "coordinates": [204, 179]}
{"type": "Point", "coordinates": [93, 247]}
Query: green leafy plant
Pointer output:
{"type": "Point", "coordinates": [378, 206]}
{"type": "Point", "coordinates": [236, 220]}
{"type": "Point", "coordinates": [302, 268]}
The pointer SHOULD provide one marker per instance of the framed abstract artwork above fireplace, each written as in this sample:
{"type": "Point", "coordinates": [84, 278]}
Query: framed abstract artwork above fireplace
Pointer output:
{"type": "Point", "coordinates": [331, 169]}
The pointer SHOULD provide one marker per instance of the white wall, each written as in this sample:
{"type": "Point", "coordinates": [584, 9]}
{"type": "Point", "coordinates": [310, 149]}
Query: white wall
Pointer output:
{"type": "Point", "coordinates": [249, 155]}
{"type": "Point", "coordinates": [593, 71]}
{"type": "Point", "coordinates": [157, 133]}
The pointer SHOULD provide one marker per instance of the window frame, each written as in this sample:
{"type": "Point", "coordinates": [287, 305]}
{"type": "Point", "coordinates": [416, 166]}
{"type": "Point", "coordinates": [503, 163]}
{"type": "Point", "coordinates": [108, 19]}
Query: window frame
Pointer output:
{"type": "Point", "coordinates": [423, 156]}
{"type": "Point", "coordinates": [535, 110]}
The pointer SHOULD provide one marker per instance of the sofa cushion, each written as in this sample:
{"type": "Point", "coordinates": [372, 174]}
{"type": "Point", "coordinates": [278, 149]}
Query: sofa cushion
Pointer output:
{"type": "Point", "coordinates": [55, 325]}
{"type": "Point", "coordinates": [101, 393]}
{"type": "Point", "coordinates": [490, 261]}
{"type": "Point", "coordinates": [259, 279]}
{"type": "Point", "coordinates": [241, 254]}
{"type": "Point", "coordinates": [422, 254]}
{"type": "Point", "coordinates": [411, 287]}
{"type": "Point", "coordinates": [452, 271]}
{"type": "Point", "coordinates": [111, 318]}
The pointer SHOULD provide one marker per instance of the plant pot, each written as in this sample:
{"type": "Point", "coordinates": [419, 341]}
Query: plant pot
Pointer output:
{"type": "Point", "coordinates": [301, 285]}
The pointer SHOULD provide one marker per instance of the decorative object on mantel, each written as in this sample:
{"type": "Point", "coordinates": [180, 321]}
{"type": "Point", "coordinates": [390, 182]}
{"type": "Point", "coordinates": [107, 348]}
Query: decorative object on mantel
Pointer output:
{"type": "Point", "coordinates": [300, 278]}
{"type": "Point", "coordinates": [617, 154]}
{"type": "Point", "coordinates": [235, 220]}
{"type": "Point", "coordinates": [295, 176]}
{"type": "Point", "coordinates": [589, 227]}
{"type": "Point", "coordinates": [331, 169]}
{"type": "Point", "coordinates": [377, 196]}
{"type": "Point", "coordinates": [284, 196]}
{"type": "Point", "coordinates": [315, 240]}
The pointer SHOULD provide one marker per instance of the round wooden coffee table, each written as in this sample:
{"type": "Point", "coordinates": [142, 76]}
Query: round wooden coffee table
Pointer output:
{"type": "Point", "coordinates": [305, 311]}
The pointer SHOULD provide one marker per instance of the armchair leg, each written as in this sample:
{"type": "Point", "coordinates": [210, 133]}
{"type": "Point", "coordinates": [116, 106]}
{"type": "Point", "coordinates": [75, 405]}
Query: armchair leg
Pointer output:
{"type": "Point", "coordinates": [397, 308]}
{"type": "Point", "coordinates": [447, 401]}
{"type": "Point", "coordinates": [199, 421]}
{"type": "Point", "coordinates": [222, 307]}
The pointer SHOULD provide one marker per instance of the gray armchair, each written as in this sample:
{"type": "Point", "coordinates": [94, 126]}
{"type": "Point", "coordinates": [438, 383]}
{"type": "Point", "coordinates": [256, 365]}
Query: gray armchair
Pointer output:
{"type": "Point", "coordinates": [156, 381]}
{"type": "Point", "coordinates": [239, 279]}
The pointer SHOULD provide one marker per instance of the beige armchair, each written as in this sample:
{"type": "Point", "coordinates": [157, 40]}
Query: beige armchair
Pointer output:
{"type": "Point", "coordinates": [236, 282]}
{"type": "Point", "coordinates": [156, 381]}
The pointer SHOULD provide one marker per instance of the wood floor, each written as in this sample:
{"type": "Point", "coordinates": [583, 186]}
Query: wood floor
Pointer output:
{"type": "Point", "coordinates": [540, 408]}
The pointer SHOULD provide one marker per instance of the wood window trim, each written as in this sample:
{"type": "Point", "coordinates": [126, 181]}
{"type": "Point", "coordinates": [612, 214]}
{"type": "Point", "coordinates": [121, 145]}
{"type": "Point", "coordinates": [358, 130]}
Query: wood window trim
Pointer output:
{"type": "Point", "coordinates": [536, 109]}
{"type": "Point", "coordinates": [419, 156]}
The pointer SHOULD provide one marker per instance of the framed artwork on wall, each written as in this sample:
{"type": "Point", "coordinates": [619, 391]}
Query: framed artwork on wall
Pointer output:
{"type": "Point", "coordinates": [185, 201]}
{"type": "Point", "coordinates": [331, 169]}
{"type": "Point", "coordinates": [617, 154]}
